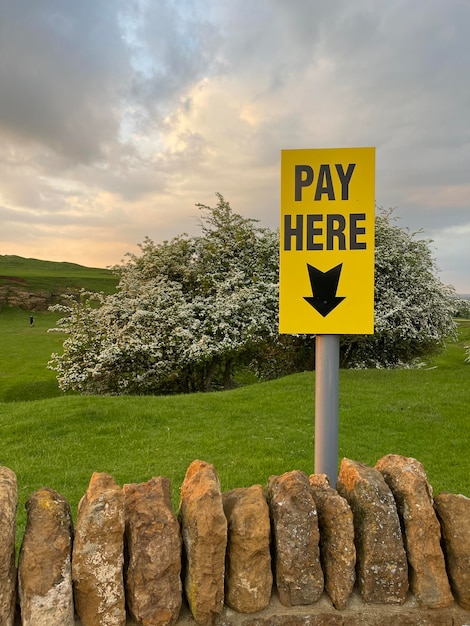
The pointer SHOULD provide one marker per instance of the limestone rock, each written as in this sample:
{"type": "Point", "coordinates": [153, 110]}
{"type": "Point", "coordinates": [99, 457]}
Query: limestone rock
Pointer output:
{"type": "Point", "coordinates": [382, 568]}
{"type": "Point", "coordinates": [98, 554]}
{"type": "Point", "coordinates": [204, 530]}
{"type": "Point", "coordinates": [337, 549]}
{"type": "Point", "coordinates": [422, 533]}
{"type": "Point", "coordinates": [153, 539]}
{"type": "Point", "coordinates": [248, 576]}
{"type": "Point", "coordinates": [45, 563]}
{"type": "Point", "coordinates": [299, 577]}
{"type": "Point", "coordinates": [29, 301]}
{"type": "Point", "coordinates": [8, 504]}
{"type": "Point", "coordinates": [453, 512]}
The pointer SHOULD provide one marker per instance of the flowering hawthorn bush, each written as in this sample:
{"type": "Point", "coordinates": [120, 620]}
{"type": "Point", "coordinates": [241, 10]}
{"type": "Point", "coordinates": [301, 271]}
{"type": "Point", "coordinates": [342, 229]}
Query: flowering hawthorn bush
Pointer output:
{"type": "Point", "coordinates": [185, 314]}
{"type": "Point", "coordinates": [189, 311]}
{"type": "Point", "coordinates": [413, 309]}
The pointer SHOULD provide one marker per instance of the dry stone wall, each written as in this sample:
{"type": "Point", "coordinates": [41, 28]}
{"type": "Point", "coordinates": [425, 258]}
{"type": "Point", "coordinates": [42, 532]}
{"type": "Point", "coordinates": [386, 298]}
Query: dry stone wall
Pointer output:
{"type": "Point", "coordinates": [296, 552]}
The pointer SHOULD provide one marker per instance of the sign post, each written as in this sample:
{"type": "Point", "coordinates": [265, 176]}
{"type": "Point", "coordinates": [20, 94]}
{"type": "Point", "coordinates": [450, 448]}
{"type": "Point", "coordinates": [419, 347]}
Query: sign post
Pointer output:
{"type": "Point", "coordinates": [326, 405]}
{"type": "Point", "coordinates": [327, 267]}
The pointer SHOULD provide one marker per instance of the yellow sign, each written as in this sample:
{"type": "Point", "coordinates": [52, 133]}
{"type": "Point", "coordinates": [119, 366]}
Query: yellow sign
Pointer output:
{"type": "Point", "coordinates": [327, 241]}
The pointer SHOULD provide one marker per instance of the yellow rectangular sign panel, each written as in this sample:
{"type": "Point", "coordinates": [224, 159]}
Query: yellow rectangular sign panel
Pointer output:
{"type": "Point", "coordinates": [327, 241]}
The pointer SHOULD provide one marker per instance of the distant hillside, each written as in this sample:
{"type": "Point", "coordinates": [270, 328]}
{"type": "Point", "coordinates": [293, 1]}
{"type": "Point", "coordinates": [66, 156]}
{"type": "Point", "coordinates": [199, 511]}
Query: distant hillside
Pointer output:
{"type": "Point", "coordinates": [33, 285]}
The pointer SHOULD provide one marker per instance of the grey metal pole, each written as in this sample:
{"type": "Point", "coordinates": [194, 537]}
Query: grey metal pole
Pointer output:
{"type": "Point", "coordinates": [326, 406]}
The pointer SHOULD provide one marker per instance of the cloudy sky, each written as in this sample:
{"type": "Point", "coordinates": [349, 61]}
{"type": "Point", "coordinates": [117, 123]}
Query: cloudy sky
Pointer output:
{"type": "Point", "coordinates": [118, 116]}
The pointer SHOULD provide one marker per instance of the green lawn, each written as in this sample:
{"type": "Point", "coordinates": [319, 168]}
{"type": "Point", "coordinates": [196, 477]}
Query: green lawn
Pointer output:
{"type": "Point", "coordinates": [56, 440]}
{"type": "Point", "coordinates": [25, 351]}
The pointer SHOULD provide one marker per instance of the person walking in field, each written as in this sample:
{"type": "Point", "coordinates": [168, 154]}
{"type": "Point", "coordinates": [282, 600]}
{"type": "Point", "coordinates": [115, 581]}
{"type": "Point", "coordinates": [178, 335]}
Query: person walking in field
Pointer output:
{"type": "Point", "coordinates": [31, 320]}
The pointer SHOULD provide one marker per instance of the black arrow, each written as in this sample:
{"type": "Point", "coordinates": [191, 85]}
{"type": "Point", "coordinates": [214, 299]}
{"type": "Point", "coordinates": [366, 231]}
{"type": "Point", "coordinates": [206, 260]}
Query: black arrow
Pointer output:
{"type": "Point", "coordinates": [324, 286]}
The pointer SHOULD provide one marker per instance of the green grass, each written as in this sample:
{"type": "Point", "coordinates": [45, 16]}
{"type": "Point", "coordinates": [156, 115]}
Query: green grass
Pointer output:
{"type": "Point", "coordinates": [25, 351]}
{"type": "Point", "coordinates": [35, 275]}
{"type": "Point", "coordinates": [56, 440]}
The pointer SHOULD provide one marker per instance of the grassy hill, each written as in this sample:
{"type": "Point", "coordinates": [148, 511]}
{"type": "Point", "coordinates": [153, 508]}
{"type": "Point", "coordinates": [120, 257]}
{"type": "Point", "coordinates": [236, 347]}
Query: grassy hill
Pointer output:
{"type": "Point", "coordinates": [18, 274]}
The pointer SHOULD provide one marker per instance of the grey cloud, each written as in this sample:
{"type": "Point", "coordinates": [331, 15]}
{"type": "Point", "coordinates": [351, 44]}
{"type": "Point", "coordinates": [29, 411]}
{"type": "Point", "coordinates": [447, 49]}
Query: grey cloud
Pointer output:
{"type": "Point", "coordinates": [181, 45]}
{"type": "Point", "coordinates": [64, 66]}
{"type": "Point", "coordinates": [74, 74]}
